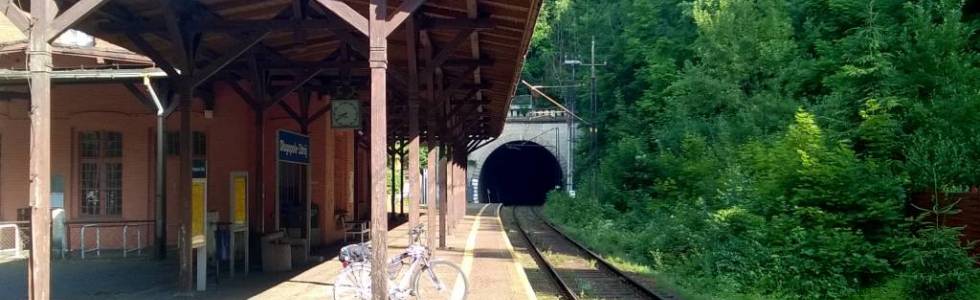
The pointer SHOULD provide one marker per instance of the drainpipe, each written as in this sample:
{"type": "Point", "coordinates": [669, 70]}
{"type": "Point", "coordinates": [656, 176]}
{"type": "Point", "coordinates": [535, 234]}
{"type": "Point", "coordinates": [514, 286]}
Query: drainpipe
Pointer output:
{"type": "Point", "coordinates": [161, 187]}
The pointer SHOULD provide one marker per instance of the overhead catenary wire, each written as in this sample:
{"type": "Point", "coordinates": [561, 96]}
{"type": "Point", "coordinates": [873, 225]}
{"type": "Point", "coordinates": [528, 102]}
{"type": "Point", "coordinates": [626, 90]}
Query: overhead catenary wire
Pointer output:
{"type": "Point", "coordinates": [539, 92]}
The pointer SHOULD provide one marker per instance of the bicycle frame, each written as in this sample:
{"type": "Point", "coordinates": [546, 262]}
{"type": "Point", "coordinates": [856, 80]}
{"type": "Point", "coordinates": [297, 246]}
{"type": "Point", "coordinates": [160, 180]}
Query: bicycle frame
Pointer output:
{"type": "Point", "coordinates": [419, 256]}
{"type": "Point", "coordinates": [420, 260]}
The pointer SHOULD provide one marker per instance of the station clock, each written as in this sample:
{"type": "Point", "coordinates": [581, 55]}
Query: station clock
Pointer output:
{"type": "Point", "coordinates": [346, 114]}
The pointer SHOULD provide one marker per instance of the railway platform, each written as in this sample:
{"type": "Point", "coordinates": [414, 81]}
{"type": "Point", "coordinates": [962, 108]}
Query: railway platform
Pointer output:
{"type": "Point", "coordinates": [478, 245]}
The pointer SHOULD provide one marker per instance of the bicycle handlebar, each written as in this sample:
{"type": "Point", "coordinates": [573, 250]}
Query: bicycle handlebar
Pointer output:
{"type": "Point", "coordinates": [416, 232]}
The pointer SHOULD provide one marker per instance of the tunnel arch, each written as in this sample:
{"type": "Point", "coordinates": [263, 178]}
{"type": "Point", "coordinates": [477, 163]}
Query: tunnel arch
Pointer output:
{"type": "Point", "coordinates": [519, 173]}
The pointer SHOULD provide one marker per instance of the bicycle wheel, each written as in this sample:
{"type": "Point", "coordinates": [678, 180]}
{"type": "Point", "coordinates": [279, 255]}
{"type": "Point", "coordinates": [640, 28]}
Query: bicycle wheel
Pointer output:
{"type": "Point", "coordinates": [441, 280]}
{"type": "Point", "coordinates": [354, 282]}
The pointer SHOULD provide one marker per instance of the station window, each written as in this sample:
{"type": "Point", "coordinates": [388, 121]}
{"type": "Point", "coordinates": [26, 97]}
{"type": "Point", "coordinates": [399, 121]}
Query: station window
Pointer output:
{"type": "Point", "coordinates": [100, 173]}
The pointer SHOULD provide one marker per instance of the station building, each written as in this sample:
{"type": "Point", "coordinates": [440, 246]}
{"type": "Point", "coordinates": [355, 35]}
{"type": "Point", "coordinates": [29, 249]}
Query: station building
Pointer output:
{"type": "Point", "coordinates": [104, 146]}
{"type": "Point", "coordinates": [271, 119]}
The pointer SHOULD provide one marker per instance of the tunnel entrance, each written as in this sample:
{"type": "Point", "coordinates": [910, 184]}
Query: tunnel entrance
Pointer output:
{"type": "Point", "coordinates": [520, 173]}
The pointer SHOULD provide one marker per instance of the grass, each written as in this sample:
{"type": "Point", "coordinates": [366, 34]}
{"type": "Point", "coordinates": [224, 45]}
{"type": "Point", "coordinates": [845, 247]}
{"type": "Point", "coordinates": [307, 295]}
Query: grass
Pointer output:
{"type": "Point", "coordinates": [627, 264]}
{"type": "Point", "coordinates": [703, 288]}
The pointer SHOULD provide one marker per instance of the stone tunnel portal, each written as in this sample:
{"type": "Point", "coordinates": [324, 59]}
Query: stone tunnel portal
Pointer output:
{"type": "Point", "coordinates": [519, 173]}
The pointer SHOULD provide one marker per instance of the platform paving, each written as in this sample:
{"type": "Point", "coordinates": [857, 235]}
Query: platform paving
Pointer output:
{"type": "Point", "coordinates": [478, 245]}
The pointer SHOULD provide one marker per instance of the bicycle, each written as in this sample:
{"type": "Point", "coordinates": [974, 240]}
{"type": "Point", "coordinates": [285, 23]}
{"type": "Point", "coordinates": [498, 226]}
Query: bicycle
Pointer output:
{"type": "Point", "coordinates": [424, 277]}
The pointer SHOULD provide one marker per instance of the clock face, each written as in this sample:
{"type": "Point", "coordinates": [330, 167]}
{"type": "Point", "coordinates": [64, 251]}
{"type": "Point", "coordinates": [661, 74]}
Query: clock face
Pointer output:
{"type": "Point", "coordinates": [346, 114]}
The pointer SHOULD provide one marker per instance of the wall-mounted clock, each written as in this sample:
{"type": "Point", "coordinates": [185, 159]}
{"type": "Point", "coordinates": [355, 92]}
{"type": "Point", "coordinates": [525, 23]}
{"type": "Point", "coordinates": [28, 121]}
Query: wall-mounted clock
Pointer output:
{"type": "Point", "coordinates": [346, 114]}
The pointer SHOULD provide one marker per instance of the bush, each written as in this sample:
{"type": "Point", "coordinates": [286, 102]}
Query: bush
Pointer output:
{"type": "Point", "coordinates": [936, 265]}
{"type": "Point", "coordinates": [764, 149]}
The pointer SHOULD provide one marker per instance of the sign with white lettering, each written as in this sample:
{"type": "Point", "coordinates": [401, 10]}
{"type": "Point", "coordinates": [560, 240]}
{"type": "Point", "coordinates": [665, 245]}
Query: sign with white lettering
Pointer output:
{"type": "Point", "coordinates": [199, 168]}
{"type": "Point", "coordinates": [293, 147]}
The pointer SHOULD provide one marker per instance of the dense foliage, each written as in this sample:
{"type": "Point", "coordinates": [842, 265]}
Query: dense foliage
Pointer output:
{"type": "Point", "coordinates": [766, 148]}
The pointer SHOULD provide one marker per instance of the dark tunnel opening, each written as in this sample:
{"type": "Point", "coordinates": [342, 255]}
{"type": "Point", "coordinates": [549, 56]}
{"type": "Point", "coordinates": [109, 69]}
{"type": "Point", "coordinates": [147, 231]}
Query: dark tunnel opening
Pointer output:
{"type": "Point", "coordinates": [519, 173]}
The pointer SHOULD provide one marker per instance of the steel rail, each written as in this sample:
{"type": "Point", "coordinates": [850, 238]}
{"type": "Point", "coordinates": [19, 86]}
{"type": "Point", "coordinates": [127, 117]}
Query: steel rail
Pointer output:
{"type": "Point", "coordinates": [625, 278]}
{"type": "Point", "coordinates": [563, 287]}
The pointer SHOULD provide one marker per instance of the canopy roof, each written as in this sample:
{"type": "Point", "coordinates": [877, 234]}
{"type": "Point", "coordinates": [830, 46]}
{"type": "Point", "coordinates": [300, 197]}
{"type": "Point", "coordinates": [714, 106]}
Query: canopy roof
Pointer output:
{"type": "Point", "coordinates": [478, 47]}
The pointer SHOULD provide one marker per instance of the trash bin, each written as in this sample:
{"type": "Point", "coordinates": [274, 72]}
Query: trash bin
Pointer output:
{"type": "Point", "coordinates": [223, 243]}
{"type": "Point", "coordinates": [276, 255]}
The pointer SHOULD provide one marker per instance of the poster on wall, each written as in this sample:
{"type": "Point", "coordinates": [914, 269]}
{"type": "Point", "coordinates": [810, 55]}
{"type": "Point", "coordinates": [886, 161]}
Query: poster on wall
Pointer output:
{"type": "Point", "coordinates": [239, 188]}
{"type": "Point", "coordinates": [198, 205]}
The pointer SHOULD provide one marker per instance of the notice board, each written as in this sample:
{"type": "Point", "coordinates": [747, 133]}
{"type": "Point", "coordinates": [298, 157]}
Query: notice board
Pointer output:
{"type": "Point", "coordinates": [198, 207]}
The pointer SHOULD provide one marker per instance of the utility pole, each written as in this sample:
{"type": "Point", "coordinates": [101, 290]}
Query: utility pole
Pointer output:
{"type": "Point", "coordinates": [571, 130]}
{"type": "Point", "coordinates": [594, 130]}
{"type": "Point", "coordinates": [595, 123]}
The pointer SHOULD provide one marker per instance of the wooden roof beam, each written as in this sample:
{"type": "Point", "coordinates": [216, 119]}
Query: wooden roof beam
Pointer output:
{"type": "Point", "coordinates": [235, 52]}
{"type": "Point", "coordinates": [448, 50]}
{"type": "Point", "coordinates": [16, 15]}
{"type": "Point", "coordinates": [72, 15]}
{"type": "Point", "coordinates": [140, 96]}
{"type": "Point", "coordinates": [228, 26]}
{"type": "Point", "coordinates": [403, 12]}
{"type": "Point", "coordinates": [173, 16]}
{"type": "Point", "coordinates": [472, 11]}
{"type": "Point", "coordinates": [482, 144]}
{"type": "Point", "coordinates": [299, 14]}
{"type": "Point", "coordinates": [116, 13]}
{"type": "Point", "coordinates": [348, 14]}
{"type": "Point", "coordinates": [484, 23]}
{"type": "Point", "coordinates": [300, 81]}
{"type": "Point", "coordinates": [153, 54]}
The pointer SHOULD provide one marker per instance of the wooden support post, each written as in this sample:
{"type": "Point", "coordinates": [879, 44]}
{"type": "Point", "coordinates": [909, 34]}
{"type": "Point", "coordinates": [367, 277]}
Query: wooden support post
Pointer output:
{"type": "Point", "coordinates": [185, 279]}
{"type": "Point", "coordinates": [432, 140]}
{"type": "Point", "coordinates": [39, 273]}
{"type": "Point", "coordinates": [459, 204]}
{"type": "Point", "coordinates": [454, 207]}
{"type": "Point", "coordinates": [391, 159]}
{"type": "Point", "coordinates": [401, 183]}
{"type": "Point", "coordinates": [257, 217]}
{"type": "Point", "coordinates": [411, 35]}
{"type": "Point", "coordinates": [378, 60]}
{"type": "Point", "coordinates": [460, 184]}
{"type": "Point", "coordinates": [450, 189]}
{"type": "Point", "coordinates": [431, 185]}
{"type": "Point", "coordinates": [443, 200]}
{"type": "Point", "coordinates": [259, 99]}
{"type": "Point", "coordinates": [455, 189]}
{"type": "Point", "coordinates": [461, 179]}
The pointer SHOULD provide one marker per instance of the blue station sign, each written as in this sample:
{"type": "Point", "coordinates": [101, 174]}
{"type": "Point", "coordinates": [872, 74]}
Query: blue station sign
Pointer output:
{"type": "Point", "coordinates": [199, 168]}
{"type": "Point", "coordinates": [293, 147]}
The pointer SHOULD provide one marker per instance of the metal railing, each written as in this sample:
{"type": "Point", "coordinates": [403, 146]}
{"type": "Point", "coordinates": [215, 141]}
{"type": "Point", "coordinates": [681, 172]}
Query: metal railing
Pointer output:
{"type": "Point", "coordinates": [139, 241]}
{"type": "Point", "coordinates": [18, 244]}
{"type": "Point", "coordinates": [525, 114]}
{"type": "Point", "coordinates": [98, 240]}
{"type": "Point", "coordinates": [126, 227]}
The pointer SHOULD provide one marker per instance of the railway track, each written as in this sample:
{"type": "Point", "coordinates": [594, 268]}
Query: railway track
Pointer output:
{"type": "Point", "coordinates": [577, 272]}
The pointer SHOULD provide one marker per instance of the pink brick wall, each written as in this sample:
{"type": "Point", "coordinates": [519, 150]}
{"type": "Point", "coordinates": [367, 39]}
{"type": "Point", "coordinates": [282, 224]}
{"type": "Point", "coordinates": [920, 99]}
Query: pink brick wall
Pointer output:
{"type": "Point", "coordinates": [230, 148]}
